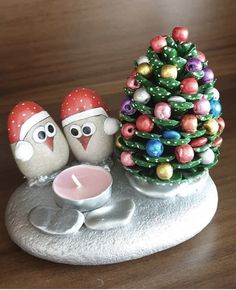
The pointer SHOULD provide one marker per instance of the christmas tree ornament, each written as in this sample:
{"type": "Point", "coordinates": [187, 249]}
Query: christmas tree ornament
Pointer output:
{"type": "Point", "coordinates": [207, 157]}
{"type": "Point", "coordinates": [189, 123]}
{"type": "Point", "coordinates": [126, 159]}
{"type": "Point", "coordinates": [126, 107]}
{"type": "Point", "coordinates": [215, 107]}
{"type": "Point", "coordinates": [193, 65]}
{"type": "Point", "coordinates": [132, 83]}
{"type": "Point", "coordinates": [202, 107]}
{"type": "Point", "coordinates": [142, 59]}
{"type": "Point", "coordinates": [177, 99]}
{"type": "Point", "coordinates": [164, 171]}
{"type": "Point", "coordinates": [201, 56]}
{"type": "Point", "coordinates": [144, 69]}
{"type": "Point", "coordinates": [154, 148]}
{"type": "Point", "coordinates": [180, 34]}
{"type": "Point", "coordinates": [184, 153]}
{"type": "Point", "coordinates": [217, 142]}
{"type": "Point", "coordinates": [171, 134]}
{"type": "Point", "coordinates": [198, 142]}
{"type": "Point", "coordinates": [169, 71]}
{"type": "Point", "coordinates": [221, 124]}
{"type": "Point", "coordinates": [214, 92]}
{"type": "Point", "coordinates": [208, 75]}
{"type": "Point", "coordinates": [189, 86]}
{"type": "Point", "coordinates": [162, 111]}
{"type": "Point", "coordinates": [158, 42]}
{"type": "Point", "coordinates": [144, 123]}
{"type": "Point", "coordinates": [142, 96]}
{"type": "Point", "coordinates": [128, 130]}
{"type": "Point", "coordinates": [37, 143]}
{"type": "Point", "coordinates": [211, 126]}
{"type": "Point", "coordinates": [88, 128]}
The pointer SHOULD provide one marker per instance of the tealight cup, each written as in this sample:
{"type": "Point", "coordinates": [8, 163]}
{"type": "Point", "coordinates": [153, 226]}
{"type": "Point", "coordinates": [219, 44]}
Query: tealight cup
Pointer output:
{"type": "Point", "coordinates": [83, 187]}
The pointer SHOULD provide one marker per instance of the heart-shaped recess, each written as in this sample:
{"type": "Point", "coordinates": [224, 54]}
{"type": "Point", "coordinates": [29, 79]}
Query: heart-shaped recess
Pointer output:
{"type": "Point", "coordinates": [56, 221]}
{"type": "Point", "coordinates": [116, 215]}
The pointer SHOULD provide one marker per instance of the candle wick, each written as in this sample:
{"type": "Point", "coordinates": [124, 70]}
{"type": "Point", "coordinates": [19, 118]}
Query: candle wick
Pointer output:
{"type": "Point", "coordinates": [76, 181]}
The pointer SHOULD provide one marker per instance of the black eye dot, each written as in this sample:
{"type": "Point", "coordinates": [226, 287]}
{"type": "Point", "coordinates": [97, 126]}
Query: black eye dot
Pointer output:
{"type": "Point", "coordinates": [87, 130]}
{"type": "Point", "coordinates": [50, 129]}
{"type": "Point", "coordinates": [74, 132]}
{"type": "Point", "coordinates": [41, 135]}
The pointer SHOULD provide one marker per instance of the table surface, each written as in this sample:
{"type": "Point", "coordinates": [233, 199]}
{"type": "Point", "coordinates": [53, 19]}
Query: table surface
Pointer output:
{"type": "Point", "coordinates": [50, 47]}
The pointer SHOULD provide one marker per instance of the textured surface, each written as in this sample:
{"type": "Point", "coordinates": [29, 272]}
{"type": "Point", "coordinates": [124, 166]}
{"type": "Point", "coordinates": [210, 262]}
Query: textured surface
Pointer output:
{"type": "Point", "coordinates": [156, 225]}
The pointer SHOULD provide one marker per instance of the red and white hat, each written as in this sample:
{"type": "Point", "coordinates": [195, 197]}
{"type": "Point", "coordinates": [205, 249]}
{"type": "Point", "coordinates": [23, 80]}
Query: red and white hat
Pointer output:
{"type": "Point", "coordinates": [22, 118]}
{"type": "Point", "coordinates": [82, 103]}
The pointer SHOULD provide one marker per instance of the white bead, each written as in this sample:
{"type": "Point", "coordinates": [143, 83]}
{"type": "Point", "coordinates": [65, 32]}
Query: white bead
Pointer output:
{"type": "Point", "coordinates": [178, 99]}
{"type": "Point", "coordinates": [142, 59]}
{"type": "Point", "coordinates": [207, 156]}
{"type": "Point", "coordinates": [141, 96]}
{"type": "Point", "coordinates": [215, 92]}
{"type": "Point", "coordinates": [23, 151]}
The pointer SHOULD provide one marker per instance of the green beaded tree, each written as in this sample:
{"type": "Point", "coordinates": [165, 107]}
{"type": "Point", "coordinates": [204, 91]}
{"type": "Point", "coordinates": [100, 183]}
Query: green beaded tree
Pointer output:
{"type": "Point", "coordinates": [170, 101]}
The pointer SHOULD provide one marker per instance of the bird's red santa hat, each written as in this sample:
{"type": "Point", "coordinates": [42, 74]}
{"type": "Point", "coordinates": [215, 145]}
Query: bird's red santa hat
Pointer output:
{"type": "Point", "coordinates": [22, 118]}
{"type": "Point", "coordinates": [83, 103]}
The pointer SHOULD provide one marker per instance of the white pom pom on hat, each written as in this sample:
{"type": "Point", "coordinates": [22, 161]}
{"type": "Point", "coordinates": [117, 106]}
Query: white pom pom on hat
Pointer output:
{"type": "Point", "coordinates": [23, 151]}
{"type": "Point", "coordinates": [111, 126]}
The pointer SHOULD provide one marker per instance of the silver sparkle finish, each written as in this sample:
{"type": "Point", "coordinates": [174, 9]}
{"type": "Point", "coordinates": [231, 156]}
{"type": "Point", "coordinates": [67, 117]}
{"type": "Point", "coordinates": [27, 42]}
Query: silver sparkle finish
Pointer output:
{"type": "Point", "coordinates": [54, 221]}
{"type": "Point", "coordinates": [157, 224]}
{"type": "Point", "coordinates": [116, 215]}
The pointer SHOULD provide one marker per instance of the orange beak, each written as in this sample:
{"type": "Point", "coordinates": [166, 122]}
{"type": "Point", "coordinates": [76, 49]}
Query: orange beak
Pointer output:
{"type": "Point", "coordinates": [84, 140]}
{"type": "Point", "coordinates": [49, 142]}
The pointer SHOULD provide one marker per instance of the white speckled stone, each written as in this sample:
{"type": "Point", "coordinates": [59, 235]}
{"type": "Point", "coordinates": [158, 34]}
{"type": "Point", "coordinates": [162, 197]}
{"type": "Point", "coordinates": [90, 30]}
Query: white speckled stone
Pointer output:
{"type": "Point", "coordinates": [157, 224]}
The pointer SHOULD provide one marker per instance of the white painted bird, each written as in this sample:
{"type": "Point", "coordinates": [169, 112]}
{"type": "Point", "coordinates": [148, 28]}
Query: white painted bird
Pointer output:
{"type": "Point", "coordinates": [88, 128]}
{"type": "Point", "coordinates": [38, 145]}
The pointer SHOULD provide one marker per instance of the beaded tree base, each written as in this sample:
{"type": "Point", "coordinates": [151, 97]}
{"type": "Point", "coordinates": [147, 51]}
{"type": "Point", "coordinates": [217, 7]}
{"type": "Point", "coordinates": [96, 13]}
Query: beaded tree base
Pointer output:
{"type": "Point", "coordinates": [157, 224]}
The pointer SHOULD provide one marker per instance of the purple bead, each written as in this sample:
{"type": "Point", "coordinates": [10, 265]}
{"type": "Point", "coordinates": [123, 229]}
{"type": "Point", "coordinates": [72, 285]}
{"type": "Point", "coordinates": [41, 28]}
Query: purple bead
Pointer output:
{"type": "Point", "coordinates": [126, 107]}
{"type": "Point", "coordinates": [193, 64]}
{"type": "Point", "coordinates": [208, 75]}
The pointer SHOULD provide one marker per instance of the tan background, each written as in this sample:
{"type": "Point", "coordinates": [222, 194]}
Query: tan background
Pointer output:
{"type": "Point", "coordinates": [48, 48]}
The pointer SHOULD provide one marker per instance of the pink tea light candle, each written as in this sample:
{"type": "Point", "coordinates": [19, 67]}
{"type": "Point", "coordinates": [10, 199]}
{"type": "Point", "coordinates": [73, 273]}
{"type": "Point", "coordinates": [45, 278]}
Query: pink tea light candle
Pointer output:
{"type": "Point", "coordinates": [84, 187]}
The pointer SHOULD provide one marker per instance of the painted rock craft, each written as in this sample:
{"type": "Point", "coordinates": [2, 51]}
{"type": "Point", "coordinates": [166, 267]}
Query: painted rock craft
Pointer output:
{"type": "Point", "coordinates": [88, 128]}
{"type": "Point", "coordinates": [37, 143]}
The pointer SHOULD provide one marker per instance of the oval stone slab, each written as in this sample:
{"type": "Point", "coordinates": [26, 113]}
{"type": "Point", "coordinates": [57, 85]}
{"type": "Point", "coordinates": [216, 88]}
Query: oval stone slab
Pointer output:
{"type": "Point", "coordinates": [56, 221]}
{"type": "Point", "coordinates": [157, 224]}
{"type": "Point", "coordinates": [112, 216]}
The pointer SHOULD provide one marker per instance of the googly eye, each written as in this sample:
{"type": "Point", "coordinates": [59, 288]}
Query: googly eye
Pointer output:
{"type": "Point", "coordinates": [75, 131]}
{"type": "Point", "coordinates": [39, 134]}
{"type": "Point", "coordinates": [50, 129]}
{"type": "Point", "coordinates": [88, 129]}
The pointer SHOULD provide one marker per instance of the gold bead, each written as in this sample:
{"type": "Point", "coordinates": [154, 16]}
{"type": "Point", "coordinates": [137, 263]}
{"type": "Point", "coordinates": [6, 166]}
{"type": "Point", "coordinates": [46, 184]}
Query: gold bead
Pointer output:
{"type": "Point", "coordinates": [164, 171]}
{"type": "Point", "coordinates": [211, 126]}
{"type": "Point", "coordinates": [144, 69]}
{"type": "Point", "coordinates": [117, 142]}
{"type": "Point", "coordinates": [169, 71]}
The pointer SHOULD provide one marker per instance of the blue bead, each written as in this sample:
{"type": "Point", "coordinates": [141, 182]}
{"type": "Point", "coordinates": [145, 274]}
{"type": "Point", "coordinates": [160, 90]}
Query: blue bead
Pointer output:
{"type": "Point", "coordinates": [215, 108]}
{"type": "Point", "coordinates": [154, 148]}
{"type": "Point", "coordinates": [171, 134]}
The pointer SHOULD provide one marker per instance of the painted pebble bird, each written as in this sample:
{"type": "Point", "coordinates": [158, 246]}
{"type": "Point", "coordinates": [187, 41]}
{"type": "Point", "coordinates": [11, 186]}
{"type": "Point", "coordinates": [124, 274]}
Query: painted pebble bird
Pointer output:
{"type": "Point", "coordinates": [88, 128]}
{"type": "Point", "coordinates": [38, 145]}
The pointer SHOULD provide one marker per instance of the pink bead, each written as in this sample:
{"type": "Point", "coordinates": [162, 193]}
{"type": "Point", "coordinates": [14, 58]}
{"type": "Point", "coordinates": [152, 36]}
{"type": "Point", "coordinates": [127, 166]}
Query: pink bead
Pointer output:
{"type": "Point", "coordinates": [202, 107]}
{"type": "Point", "coordinates": [126, 158]}
{"type": "Point", "coordinates": [184, 153]}
{"type": "Point", "coordinates": [132, 83]}
{"type": "Point", "coordinates": [127, 130]}
{"type": "Point", "coordinates": [198, 142]}
{"type": "Point", "coordinates": [221, 123]}
{"type": "Point", "coordinates": [201, 56]}
{"type": "Point", "coordinates": [158, 42]}
{"type": "Point", "coordinates": [162, 111]}
{"type": "Point", "coordinates": [180, 34]}
{"type": "Point", "coordinates": [217, 142]}
{"type": "Point", "coordinates": [189, 86]}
